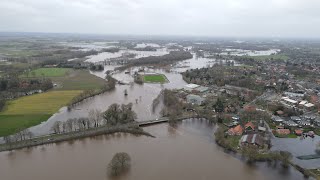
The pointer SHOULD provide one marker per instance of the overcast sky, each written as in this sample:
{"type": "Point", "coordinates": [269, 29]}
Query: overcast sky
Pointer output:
{"type": "Point", "coordinates": [241, 18]}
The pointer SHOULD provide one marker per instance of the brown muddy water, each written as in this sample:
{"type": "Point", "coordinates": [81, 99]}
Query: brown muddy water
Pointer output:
{"type": "Point", "coordinates": [185, 152]}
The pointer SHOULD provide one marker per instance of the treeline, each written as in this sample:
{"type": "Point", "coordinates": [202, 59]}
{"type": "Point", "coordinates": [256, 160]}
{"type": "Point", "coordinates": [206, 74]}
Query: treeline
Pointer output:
{"type": "Point", "coordinates": [24, 85]}
{"type": "Point", "coordinates": [170, 58]}
{"type": "Point", "coordinates": [96, 67]}
{"type": "Point", "coordinates": [11, 88]}
{"type": "Point", "coordinates": [147, 48]}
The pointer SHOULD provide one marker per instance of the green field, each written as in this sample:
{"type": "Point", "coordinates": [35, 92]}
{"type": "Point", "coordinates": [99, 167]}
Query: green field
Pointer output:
{"type": "Point", "coordinates": [44, 103]}
{"type": "Point", "coordinates": [31, 110]}
{"type": "Point", "coordinates": [10, 124]}
{"type": "Point", "coordinates": [78, 80]}
{"type": "Point", "coordinates": [47, 72]}
{"type": "Point", "coordinates": [157, 78]}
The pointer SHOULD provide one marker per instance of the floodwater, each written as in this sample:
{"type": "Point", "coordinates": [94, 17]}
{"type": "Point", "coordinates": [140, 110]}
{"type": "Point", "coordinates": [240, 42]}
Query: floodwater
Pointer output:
{"type": "Point", "coordinates": [140, 95]}
{"type": "Point", "coordinates": [185, 152]}
{"type": "Point", "coordinates": [299, 147]}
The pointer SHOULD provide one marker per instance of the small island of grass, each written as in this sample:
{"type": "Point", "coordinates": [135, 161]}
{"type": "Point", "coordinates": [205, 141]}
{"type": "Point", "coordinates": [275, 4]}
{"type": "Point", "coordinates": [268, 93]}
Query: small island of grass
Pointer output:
{"type": "Point", "coordinates": [155, 78]}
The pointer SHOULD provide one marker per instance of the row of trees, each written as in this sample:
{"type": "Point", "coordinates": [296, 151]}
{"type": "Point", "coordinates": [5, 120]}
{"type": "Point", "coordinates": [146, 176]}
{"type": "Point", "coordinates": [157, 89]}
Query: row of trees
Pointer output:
{"type": "Point", "coordinates": [20, 136]}
{"type": "Point", "coordinates": [115, 115]}
{"type": "Point", "coordinates": [95, 119]}
{"type": "Point", "coordinates": [170, 58]}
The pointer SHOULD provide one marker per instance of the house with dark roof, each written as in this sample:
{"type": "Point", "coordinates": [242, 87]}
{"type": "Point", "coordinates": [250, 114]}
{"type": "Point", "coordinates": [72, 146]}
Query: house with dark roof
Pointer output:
{"type": "Point", "coordinates": [252, 139]}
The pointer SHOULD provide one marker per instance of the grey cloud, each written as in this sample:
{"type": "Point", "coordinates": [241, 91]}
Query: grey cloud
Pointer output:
{"type": "Point", "coordinates": [297, 18]}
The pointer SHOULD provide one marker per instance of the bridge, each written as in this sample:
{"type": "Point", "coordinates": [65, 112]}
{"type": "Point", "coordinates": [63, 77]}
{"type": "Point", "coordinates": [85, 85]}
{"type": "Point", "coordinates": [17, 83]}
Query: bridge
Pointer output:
{"type": "Point", "coordinates": [160, 120]}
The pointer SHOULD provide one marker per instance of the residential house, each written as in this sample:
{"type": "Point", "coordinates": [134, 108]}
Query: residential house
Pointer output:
{"type": "Point", "coordinates": [252, 139]}
{"type": "Point", "coordinates": [236, 131]}
{"type": "Point", "coordinates": [291, 123]}
{"type": "Point", "coordinates": [249, 126]}
{"type": "Point", "coordinates": [283, 131]}
{"type": "Point", "coordinates": [298, 132]}
{"type": "Point", "coordinates": [277, 119]}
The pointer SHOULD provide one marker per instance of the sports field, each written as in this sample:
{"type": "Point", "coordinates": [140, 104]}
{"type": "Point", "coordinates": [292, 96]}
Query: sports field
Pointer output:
{"type": "Point", "coordinates": [155, 78]}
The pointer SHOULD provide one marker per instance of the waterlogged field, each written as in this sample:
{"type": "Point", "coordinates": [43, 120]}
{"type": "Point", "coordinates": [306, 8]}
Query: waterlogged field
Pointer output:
{"type": "Point", "coordinates": [156, 78]}
{"type": "Point", "coordinates": [31, 110]}
{"type": "Point", "coordinates": [47, 72]}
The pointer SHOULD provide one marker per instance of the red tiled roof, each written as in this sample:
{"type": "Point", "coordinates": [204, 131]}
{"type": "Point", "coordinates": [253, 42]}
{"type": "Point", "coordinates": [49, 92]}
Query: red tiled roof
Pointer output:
{"type": "Point", "coordinates": [283, 131]}
{"type": "Point", "coordinates": [238, 130]}
{"type": "Point", "coordinates": [249, 124]}
{"type": "Point", "coordinates": [298, 131]}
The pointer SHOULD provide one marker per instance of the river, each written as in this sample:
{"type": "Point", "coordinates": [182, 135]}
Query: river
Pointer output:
{"type": "Point", "coordinates": [186, 152]}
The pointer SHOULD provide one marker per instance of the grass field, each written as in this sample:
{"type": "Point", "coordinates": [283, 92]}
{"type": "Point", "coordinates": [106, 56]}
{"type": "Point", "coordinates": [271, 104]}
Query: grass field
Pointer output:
{"type": "Point", "coordinates": [79, 80]}
{"type": "Point", "coordinates": [47, 72]}
{"type": "Point", "coordinates": [28, 111]}
{"type": "Point", "coordinates": [157, 78]}
{"type": "Point", "coordinates": [44, 103]}
{"type": "Point", "coordinates": [10, 124]}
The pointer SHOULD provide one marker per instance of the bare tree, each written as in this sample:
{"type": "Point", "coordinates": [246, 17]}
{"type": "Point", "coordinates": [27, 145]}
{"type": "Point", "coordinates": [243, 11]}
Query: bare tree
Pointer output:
{"type": "Point", "coordinates": [95, 117]}
{"type": "Point", "coordinates": [64, 127]}
{"type": "Point", "coordinates": [120, 163]}
{"type": "Point", "coordinates": [69, 125]}
{"type": "Point", "coordinates": [56, 127]}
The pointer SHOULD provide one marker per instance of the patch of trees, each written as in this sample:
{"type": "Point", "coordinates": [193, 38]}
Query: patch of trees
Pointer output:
{"type": "Point", "coordinates": [98, 67]}
{"type": "Point", "coordinates": [20, 136]}
{"type": "Point", "coordinates": [170, 58]}
{"type": "Point", "coordinates": [15, 87]}
{"type": "Point", "coordinates": [119, 114]}
{"type": "Point", "coordinates": [222, 75]}
{"type": "Point", "coordinates": [138, 78]}
{"type": "Point", "coordinates": [147, 48]}
{"type": "Point", "coordinates": [173, 107]}
{"type": "Point", "coordinates": [111, 50]}
{"type": "Point", "coordinates": [119, 164]}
